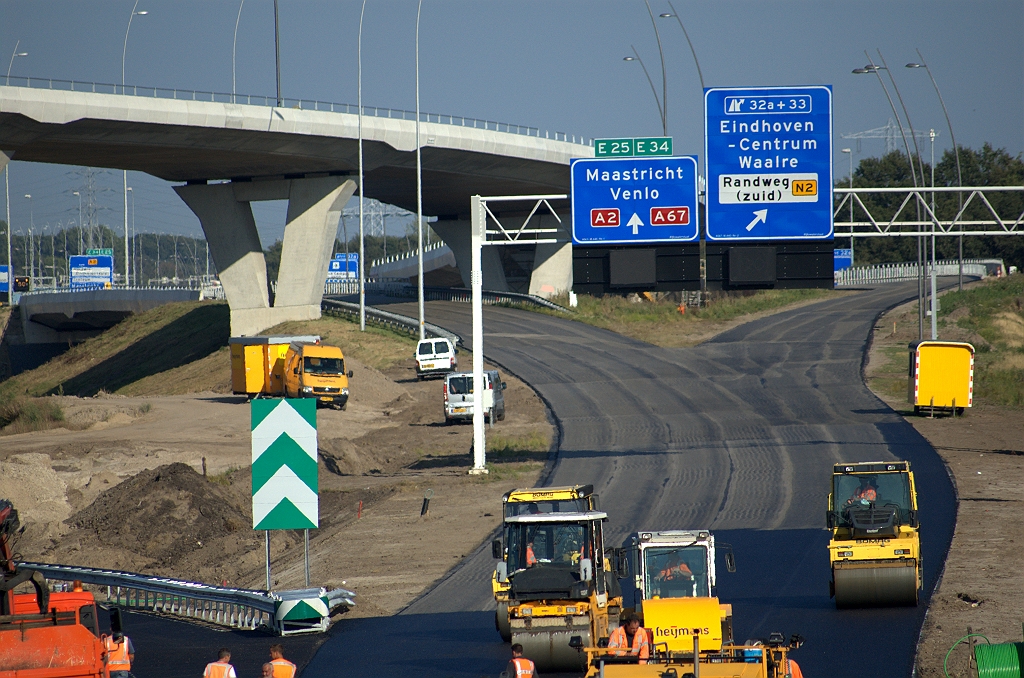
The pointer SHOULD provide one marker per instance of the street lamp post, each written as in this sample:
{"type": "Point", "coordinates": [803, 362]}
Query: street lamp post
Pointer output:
{"type": "Point", "coordinates": [873, 68]}
{"type": "Point", "coordinates": [30, 259]}
{"type": "Point", "coordinates": [135, 268]}
{"type": "Point", "coordinates": [124, 176]}
{"type": "Point", "coordinates": [10, 261]}
{"type": "Point", "coordinates": [675, 14]}
{"type": "Point", "coordinates": [362, 249]}
{"type": "Point", "coordinates": [234, 44]}
{"type": "Point", "coordinates": [849, 152]}
{"type": "Point", "coordinates": [419, 186]}
{"type": "Point", "coordinates": [81, 243]}
{"type": "Point", "coordinates": [14, 54]}
{"type": "Point", "coordinates": [956, 152]}
{"type": "Point", "coordinates": [657, 101]}
{"type": "Point", "coordinates": [277, 52]}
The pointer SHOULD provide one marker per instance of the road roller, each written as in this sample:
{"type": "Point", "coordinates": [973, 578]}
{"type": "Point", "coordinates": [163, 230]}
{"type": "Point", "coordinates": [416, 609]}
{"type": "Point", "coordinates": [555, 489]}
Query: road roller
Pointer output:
{"type": "Point", "coordinates": [875, 548]}
{"type": "Point", "coordinates": [659, 565]}
{"type": "Point", "coordinates": [572, 498]}
{"type": "Point", "coordinates": [559, 585]}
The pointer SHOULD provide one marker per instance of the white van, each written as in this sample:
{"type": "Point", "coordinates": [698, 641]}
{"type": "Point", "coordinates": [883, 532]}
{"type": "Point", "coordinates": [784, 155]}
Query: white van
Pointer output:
{"type": "Point", "coordinates": [435, 356]}
{"type": "Point", "coordinates": [458, 396]}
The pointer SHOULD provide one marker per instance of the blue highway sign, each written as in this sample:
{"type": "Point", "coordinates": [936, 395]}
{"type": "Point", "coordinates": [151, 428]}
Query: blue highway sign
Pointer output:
{"type": "Point", "coordinates": [634, 200]}
{"type": "Point", "coordinates": [340, 268]}
{"type": "Point", "coordinates": [4, 279]}
{"type": "Point", "coordinates": [91, 271]}
{"type": "Point", "coordinates": [768, 163]}
{"type": "Point", "coordinates": [843, 259]}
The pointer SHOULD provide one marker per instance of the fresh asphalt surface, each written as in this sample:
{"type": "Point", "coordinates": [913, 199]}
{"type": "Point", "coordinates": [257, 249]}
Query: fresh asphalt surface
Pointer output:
{"type": "Point", "coordinates": [738, 435]}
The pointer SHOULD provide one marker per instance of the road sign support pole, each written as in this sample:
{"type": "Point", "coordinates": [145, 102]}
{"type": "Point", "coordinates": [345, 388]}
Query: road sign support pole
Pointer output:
{"type": "Point", "coordinates": [305, 554]}
{"type": "Point", "coordinates": [266, 536]}
{"type": "Point", "coordinates": [477, 237]}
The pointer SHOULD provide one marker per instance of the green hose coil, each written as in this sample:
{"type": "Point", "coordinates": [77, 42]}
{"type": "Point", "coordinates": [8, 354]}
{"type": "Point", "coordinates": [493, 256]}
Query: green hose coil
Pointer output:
{"type": "Point", "coordinates": [1000, 661]}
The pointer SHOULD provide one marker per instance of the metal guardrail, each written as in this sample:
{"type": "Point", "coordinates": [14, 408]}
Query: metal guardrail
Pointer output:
{"type": "Point", "coordinates": [231, 607]}
{"type": "Point", "coordinates": [301, 104]}
{"type": "Point", "coordinates": [463, 295]}
{"type": "Point", "coordinates": [388, 319]}
{"type": "Point", "coordinates": [886, 273]}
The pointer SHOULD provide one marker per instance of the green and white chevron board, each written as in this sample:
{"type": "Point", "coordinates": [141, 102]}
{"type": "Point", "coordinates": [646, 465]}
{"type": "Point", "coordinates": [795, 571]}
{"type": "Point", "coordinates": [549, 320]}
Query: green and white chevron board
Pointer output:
{"type": "Point", "coordinates": [284, 474]}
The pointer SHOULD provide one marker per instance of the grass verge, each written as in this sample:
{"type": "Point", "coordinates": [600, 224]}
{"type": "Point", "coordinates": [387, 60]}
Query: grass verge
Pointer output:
{"type": "Point", "coordinates": [21, 414]}
{"type": "Point", "coordinates": [661, 323]}
{"type": "Point", "coordinates": [988, 315]}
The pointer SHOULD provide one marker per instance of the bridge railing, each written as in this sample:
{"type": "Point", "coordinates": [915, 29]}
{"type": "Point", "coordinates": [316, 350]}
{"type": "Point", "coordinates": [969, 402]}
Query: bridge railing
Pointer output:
{"type": "Point", "coordinates": [886, 273]}
{"type": "Point", "coordinates": [220, 605]}
{"type": "Point", "coordinates": [302, 104]}
{"type": "Point", "coordinates": [387, 319]}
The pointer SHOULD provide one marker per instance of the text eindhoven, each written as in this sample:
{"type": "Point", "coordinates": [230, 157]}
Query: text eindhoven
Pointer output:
{"type": "Point", "coordinates": [635, 174]}
{"type": "Point", "coordinates": [767, 143]}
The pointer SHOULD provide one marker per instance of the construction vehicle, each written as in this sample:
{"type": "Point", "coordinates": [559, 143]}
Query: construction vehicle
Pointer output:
{"type": "Point", "coordinates": [559, 584]}
{"type": "Point", "coordinates": [44, 634]}
{"type": "Point", "coordinates": [573, 498]}
{"type": "Point", "coordinates": [671, 579]}
{"type": "Point", "coordinates": [289, 366]}
{"type": "Point", "coordinates": [875, 548]}
{"type": "Point", "coordinates": [315, 370]}
{"type": "Point", "coordinates": [673, 564]}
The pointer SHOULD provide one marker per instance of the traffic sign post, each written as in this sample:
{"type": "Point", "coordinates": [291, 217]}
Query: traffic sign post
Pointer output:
{"type": "Point", "coordinates": [634, 200]}
{"type": "Point", "coordinates": [768, 163]}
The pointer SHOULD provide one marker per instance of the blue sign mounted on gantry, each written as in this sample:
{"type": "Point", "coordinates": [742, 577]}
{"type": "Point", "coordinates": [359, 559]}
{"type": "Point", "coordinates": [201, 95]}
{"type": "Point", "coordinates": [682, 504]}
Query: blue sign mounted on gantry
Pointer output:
{"type": "Point", "coordinates": [768, 163]}
{"type": "Point", "coordinates": [634, 200]}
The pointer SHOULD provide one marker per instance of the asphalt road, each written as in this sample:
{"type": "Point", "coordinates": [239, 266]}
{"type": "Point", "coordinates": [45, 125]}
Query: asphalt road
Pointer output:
{"type": "Point", "coordinates": [738, 435]}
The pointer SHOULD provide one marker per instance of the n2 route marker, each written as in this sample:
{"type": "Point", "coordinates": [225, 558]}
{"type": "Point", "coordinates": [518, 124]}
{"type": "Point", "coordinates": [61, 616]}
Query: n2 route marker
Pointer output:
{"type": "Point", "coordinates": [768, 163]}
{"type": "Point", "coordinates": [634, 200]}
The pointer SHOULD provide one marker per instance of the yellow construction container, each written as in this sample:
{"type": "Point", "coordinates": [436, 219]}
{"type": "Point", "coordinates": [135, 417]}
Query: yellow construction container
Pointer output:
{"type": "Point", "coordinates": [941, 375]}
{"type": "Point", "coordinates": [257, 363]}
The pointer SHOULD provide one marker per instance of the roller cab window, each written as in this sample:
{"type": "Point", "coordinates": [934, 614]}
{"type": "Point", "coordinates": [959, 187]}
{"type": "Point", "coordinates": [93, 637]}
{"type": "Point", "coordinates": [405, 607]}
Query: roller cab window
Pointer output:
{"type": "Point", "coordinates": [853, 493]}
{"type": "Point", "coordinates": [547, 546]}
{"type": "Point", "coordinates": [676, 572]}
{"type": "Point", "coordinates": [521, 508]}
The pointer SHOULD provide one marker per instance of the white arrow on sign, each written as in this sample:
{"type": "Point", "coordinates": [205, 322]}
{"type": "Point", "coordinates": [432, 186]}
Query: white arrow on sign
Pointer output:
{"type": "Point", "coordinates": [635, 221]}
{"type": "Point", "coordinates": [759, 216]}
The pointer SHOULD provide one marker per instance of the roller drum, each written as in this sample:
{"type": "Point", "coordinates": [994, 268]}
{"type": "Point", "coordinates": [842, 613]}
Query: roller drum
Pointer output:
{"type": "Point", "coordinates": [501, 622]}
{"type": "Point", "coordinates": [550, 651]}
{"type": "Point", "coordinates": [882, 585]}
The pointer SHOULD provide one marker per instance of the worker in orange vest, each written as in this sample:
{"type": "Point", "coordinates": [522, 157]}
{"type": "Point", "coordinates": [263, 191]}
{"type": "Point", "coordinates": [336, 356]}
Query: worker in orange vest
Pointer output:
{"type": "Point", "coordinates": [866, 492]}
{"type": "Point", "coordinates": [520, 666]}
{"type": "Point", "coordinates": [531, 558]}
{"type": "Point", "coordinates": [674, 569]}
{"type": "Point", "coordinates": [120, 655]}
{"type": "Point", "coordinates": [630, 635]}
{"type": "Point", "coordinates": [282, 667]}
{"type": "Point", "coordinates": [794, 669]}
{"type": "Point", "coordinates": [221, 668]}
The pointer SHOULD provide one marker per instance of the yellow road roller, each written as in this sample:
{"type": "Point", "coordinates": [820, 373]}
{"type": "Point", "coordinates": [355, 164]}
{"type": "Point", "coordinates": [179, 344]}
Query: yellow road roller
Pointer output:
{"type": "Point", "coordinates": [875, 549]}
{"type": "Point", "coordinates": [570, 498]}
{"type": "Point", "coordinates": [559, 585]}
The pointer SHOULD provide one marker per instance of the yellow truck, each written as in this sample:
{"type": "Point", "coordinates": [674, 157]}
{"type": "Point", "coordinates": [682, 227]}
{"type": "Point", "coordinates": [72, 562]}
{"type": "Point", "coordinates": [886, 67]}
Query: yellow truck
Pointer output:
{"type": "Point", "coordinates": [290, 366]}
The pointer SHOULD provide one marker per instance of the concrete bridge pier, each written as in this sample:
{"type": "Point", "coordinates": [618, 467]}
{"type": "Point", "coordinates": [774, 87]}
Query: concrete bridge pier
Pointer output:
{"type": "Point", "coordinates": [314, 206]}
{"type": "Point", "coordinates": [551, 272]}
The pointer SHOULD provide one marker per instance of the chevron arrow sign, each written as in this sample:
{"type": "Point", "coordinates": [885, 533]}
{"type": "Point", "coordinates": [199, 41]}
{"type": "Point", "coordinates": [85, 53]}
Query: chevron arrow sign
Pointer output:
{"type": "Point", "coordinates": [284, 473]}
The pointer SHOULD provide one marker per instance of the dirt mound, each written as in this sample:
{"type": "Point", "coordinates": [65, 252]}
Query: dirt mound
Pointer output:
{"type": "Point", "coordinates": [165, 514]}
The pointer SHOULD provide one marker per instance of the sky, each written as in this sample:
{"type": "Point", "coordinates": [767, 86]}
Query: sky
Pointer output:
{"type": "Point", "coordinates": [553, 64]}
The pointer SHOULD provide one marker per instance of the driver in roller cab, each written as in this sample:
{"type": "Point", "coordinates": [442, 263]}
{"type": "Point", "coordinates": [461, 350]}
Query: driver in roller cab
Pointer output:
{"type": "Point", "coordinates": [867, 492]}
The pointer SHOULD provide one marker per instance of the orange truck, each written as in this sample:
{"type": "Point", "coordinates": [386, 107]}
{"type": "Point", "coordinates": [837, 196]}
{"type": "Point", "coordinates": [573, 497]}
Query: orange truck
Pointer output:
{"type": "Point", "coordinates": [44, 634]}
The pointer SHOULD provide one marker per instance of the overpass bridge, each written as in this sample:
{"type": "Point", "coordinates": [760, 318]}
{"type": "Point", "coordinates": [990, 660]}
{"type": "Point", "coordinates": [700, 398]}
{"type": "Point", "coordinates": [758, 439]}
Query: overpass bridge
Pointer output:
{"type": "Point", "coordinates": [229, 151]}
